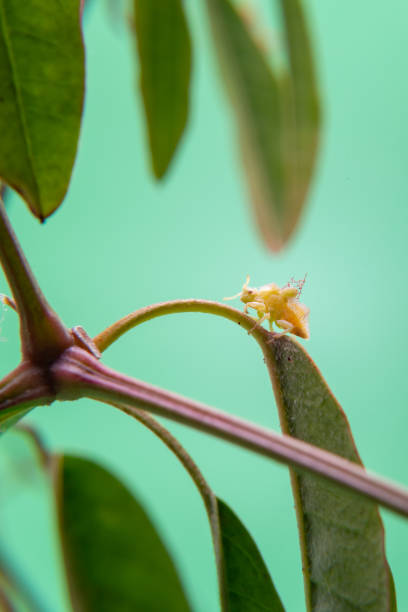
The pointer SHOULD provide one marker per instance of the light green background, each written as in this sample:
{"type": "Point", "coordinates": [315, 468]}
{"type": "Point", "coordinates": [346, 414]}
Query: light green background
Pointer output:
{"type": "Point", "coordinates": [120, 242]}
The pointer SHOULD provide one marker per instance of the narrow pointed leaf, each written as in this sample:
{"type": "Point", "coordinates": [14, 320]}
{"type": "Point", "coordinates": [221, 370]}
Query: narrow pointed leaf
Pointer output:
{"type": "Point", "coordinates": [248, 585]}
{"type": "Point", "coordinates": [42, 77]}
{"type": "Point", "coordinates": [254, 93]}
{"type": "Point", "coordinates": [274, 114]}
{"type": "Point", "coordinates": [113, 556]}
{"type": "Point", "coordinates": [303, 110]}
{"type": "Point", "coordinates": [243, 579]}
{"type": "Point", "coordinates": [164, 47]}
{"type": "Point", "coordinates": [342, 536]}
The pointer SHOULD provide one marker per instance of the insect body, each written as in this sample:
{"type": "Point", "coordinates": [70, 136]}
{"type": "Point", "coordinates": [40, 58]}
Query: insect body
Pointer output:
{"type": "Point", "coordinates": [277, 305]}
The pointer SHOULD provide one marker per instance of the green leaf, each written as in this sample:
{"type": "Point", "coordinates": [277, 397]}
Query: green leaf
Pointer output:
{"type": "Point", "coordinates": [114, 558]}
{"type": "Point", "coordinates": [42, 77]}
{"type": "Point", "coordinates": [9, 417]}
{"type": "Point", "coordinates": [274, 114]}
{"type": "Point", "coordinates": [243, 579]}
{"type": "Point", "coordinates": [342, 536]}
{"type": "Point", "coordinates": [254, 93]}
{"type": "Point", "coordinates": [3, 192]}
{"type": "Point", "coordinates": [164, 47]}
{"type": "Point", "coordinates": [302, 103]}
{"type": "Point", "coordinates": [248, 585]}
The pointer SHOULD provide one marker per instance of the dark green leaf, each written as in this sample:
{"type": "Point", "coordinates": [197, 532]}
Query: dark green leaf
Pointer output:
{"type": "Point", "coordinates": [274, 115]}
{"type": "Point", "coordinates": [248, 585]}
{"type": "Point", "coordinates": [114, 558]}
{"type": "Point", "coordinates": [3, 192]}
{"type": "Point", "coordinates": [342, 536]}
{"type": "Point", "coordinates": [42, 78]}
{"type": "Point", "coordinates": [164, 47]}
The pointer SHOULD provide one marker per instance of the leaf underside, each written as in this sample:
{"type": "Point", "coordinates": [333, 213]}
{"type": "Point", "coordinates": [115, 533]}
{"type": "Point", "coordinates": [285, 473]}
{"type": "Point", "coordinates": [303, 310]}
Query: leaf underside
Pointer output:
{"type": "Point", "coordinates": [277, 115]}
{"type": "Point", "coordinates": [342, 535]}
{"type": "Point", "coordinates": [164, 50]}
{"type": "Point", "coordinates": [42, 89]}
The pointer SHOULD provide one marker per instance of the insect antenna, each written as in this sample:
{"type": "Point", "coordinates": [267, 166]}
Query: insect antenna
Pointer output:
{"type": "Point", "coordinates": [245, 285]}
{"type": "Point", "coordinates": [233, 297]}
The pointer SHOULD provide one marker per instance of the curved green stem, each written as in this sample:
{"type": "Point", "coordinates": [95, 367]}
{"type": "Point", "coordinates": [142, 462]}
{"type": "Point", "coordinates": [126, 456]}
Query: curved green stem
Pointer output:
{"type": "Point", "coordinates": [115, 331]}
{"type": "Point", "coordinates": [174, 445]}
{"type": "Point", "coordinates": [34, 437]}
{"type": "Point", "coordinates": [43, 335]}
{"type": "Point", "coordinates": [207, 495]}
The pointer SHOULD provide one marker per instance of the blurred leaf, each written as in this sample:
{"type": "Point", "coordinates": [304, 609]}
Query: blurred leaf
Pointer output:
{"type": "Point", "coordinates": [243, 579]}
{"type": "Point", "coordinates": [254, 93]}
{"type": "Point", "coordinates": [42, 77]}
{"type": "Point", "coordinates": [342, 536]}
{"type": "Point", "coordinates": [302, 103]}
{"type": "Point", "coordinates": [113, 556]}
{"type": "Point", "coordinates": [10, 417]}
{"type": "Point", "coordinates": [274, 116]}
{"type": "Point", "coordinates": [248, 585]}
{"type": "Point", "coordinates": [164, 47]}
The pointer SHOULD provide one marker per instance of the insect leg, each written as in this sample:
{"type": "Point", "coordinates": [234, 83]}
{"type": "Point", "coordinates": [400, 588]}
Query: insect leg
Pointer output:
{"type": "Point", "coordinates": [255, 305]}
{"type": "Point", "coordinates": [284, 325]}
{"type": "Point", "coordinates": [261, 320]}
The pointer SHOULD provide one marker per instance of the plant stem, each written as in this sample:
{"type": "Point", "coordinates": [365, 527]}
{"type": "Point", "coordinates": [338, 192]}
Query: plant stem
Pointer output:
{"type": "Point", "coordinates": [207, 495]}
{"type": "Point", "coordinates": [34, 437]}
{"type": "Point", "coordinates": [43, 335]}
{"type": "Point", "coordinates": [18, 593]}
{"type": "Point", "coordinates": [22, 389]}
{"type": "Point", "coordinates": [77, 374]}
{"type": "Point", "coordinates": [115, 331]}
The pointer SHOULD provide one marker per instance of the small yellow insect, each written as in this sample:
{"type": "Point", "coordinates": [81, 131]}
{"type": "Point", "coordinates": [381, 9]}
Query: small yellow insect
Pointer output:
{"type": "Point", "coordinates": [276, 305]}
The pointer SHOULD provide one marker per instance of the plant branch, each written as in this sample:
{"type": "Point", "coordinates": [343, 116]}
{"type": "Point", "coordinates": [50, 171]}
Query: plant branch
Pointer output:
{"type": "Point", "coordinates": [115, 331]}
{"type": "Point", "coordinates": [22, 389]}
{"type": "Point", "coordinates": [43, 336]}
{"type": "Point", "coordinates": [77, 374]}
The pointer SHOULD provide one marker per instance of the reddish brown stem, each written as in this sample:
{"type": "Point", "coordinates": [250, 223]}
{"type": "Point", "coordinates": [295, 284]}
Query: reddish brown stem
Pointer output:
{"type": "Point", "coordinates": [78, 374]}
{"type": "Point", "coordinates": [43, 336]}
